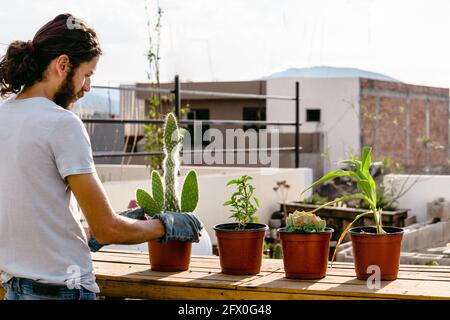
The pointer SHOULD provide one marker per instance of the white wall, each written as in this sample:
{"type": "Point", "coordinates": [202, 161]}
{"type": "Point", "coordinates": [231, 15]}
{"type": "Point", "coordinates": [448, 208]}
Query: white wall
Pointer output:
{"type": "Point", "coordinates": [214, 192]}
{"type": "Point", "coordinates": [117, 172]}
{"type": "Point", "coordinates": [424, 188]}
{"type": "Point", "coordinates": [338, 99]}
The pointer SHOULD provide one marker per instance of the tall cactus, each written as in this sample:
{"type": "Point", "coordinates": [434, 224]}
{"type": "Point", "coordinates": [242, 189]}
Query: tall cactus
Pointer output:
{"type": "Point", "coordinates": [171, 164]}
{"type": "Point", "coordinates": [166, 198]}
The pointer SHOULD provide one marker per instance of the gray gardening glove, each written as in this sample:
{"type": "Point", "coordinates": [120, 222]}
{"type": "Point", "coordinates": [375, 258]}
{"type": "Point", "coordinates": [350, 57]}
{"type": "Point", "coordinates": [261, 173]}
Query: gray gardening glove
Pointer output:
{"type": "Point", "coordinates": [137, 213]}
{"type": "Point", "coordinates": [180, 226]}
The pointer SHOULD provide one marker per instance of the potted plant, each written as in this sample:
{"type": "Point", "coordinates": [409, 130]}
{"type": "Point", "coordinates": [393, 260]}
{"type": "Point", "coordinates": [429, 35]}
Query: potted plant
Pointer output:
{"type": "Point", "coordinates": [373, 246]}
{"type": "Point", "coordinates": [241, 243]}
{"type": "Point", "coordinates": [173, 255]}
{"type": "Point", "coordinates": [306, 244]}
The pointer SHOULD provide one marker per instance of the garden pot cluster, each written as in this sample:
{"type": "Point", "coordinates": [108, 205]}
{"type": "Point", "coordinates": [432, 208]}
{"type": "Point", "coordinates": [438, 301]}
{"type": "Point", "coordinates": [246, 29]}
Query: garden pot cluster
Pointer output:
{"type": "Point", "coordinates": [305, 239]}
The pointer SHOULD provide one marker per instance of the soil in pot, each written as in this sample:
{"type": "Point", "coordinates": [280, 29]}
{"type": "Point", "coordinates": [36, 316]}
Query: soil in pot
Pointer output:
{"type": "Point", "coordinates": [305, 255]}
{"type": "Point", "coordinates": [240, 251]}
{"type": "Point", "coordinates": [171, 256]}
{"type": "Point", "coordinates": [372, 251]}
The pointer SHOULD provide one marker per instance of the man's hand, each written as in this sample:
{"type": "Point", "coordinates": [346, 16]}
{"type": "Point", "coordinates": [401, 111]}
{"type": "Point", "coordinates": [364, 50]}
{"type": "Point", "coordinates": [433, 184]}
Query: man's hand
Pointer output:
{"type": "Point", "coordinates": [180, 226]}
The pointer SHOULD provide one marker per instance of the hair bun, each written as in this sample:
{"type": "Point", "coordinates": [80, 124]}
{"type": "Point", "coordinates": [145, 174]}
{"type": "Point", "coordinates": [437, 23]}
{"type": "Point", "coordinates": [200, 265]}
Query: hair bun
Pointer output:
{"type": "Point", "coordinates": [17, 68]}
{"type": "Point", "coordinates": [31, 46]}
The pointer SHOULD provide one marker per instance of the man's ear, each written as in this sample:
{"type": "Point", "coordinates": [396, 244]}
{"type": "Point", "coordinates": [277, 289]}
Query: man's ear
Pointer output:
{"type": "Point", "coordinates": [62, 65]}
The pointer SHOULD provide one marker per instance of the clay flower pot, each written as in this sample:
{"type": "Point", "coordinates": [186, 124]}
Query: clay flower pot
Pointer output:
{"type": "Point", "coordinates": [240, 251]}
{"type": "Point", "coordinates": [371, 249]}
{"type": "Point", "coordinates": [171, 256]}
{"type": "Point", "coordinates": [305, 254]}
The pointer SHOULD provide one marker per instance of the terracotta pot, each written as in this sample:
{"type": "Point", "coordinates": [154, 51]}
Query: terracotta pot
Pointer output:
{"type": "Point", "coordinates": [371, 249]}
{"type": "Point", "coordinates": [240, 251]}
{"type": "Point", "coordinates": [305, 255]}
{"type": "Point", "coordinates": [171, 256]}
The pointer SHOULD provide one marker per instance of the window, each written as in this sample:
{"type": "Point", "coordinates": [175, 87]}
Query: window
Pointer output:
{"type": "Point", "coordinates": [254, 114]}
{"type": "Point", "coordinates": [313, 115]}
{"type": "Point", "coordinates": [198, 114]}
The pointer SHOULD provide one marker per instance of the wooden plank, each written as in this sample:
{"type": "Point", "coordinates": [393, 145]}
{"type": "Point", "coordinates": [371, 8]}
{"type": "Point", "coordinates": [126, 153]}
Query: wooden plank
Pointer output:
{"type": "Point", "coordinates": [157, 291]}
{"type": "Point", "coordinates": [271, 265]}
{"type": "Point", "coordinates": [344, 275]}
{"type": "Point", "coordinates": [196, 261]}
{"type": "Point", "coordinates": [140, 273]}
{"type": "Point", "coordinates": [138, 257]}
{"type": "Point", "coordinates": [402, 267]}
{"type": "Point", "coordinates": [399, 289]}
{"type": "Point", "coordinates": [106, 266]}
{"type": "Point", "coordinates": [206, 281]}
{"type": "Point", "coordinates": [352, 287]}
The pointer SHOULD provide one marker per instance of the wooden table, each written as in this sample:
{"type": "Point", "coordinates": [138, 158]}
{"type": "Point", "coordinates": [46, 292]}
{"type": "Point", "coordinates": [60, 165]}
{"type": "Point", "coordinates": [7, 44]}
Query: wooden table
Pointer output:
{"type": "Point", "coordinates": [128, 274]}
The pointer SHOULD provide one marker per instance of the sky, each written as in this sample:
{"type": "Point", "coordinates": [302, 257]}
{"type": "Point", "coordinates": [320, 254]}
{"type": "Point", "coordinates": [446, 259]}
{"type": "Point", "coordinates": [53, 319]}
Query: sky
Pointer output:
{"type": "Point", "coordinates": [212, 40]}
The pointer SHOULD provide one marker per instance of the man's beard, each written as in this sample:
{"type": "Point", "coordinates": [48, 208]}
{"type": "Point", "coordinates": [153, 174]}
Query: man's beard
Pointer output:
{"type": "Point", "coordinates": [66, 95]}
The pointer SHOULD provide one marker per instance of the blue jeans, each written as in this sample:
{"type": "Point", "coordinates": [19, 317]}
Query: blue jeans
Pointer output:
{"type": "Point", "coordinates": [24, 289]}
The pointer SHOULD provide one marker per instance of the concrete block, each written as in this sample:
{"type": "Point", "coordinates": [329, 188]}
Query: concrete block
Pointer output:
{"type": "Point", "coordinates": [447, 231]}
{"type": "Point", "coordinates": [429, 257]}
{"type": "Point", "coordinates": [425, 237]}
{"type": "Point", "coordinates": [438, 210]}
{"type": "Point", "coordinates": [340, 256]}
{"type": "Point", "coordinates": [406, 257]}
{"type": "Point", "coordinates": [405, 244]}
{"type": "Point", "coordinates": [413, 240]}
{"type": "Point", "coordinates": [446, 212]}
{"type": "Point", "coordinates": [348, 259]}
{"type": "Point", "coordinates": [444, 262]}
{"type": "Point", "coordinates": [437, 234]}
{"type": "Point", "coordinates": [437, 250]}
{"type": "Point", "coordinates": [410, 220]}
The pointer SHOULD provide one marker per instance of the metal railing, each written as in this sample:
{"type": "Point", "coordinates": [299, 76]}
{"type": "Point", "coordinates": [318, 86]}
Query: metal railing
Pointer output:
{"type": "Point", "coordinates": [177, 93]}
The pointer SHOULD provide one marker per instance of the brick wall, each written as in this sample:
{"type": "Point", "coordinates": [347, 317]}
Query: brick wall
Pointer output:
{"type": "Point", "coordinates": [405, 122]}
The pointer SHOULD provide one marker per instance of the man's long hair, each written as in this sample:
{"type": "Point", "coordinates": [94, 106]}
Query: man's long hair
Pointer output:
{"type": "Point", "coordinates": [25, 62]}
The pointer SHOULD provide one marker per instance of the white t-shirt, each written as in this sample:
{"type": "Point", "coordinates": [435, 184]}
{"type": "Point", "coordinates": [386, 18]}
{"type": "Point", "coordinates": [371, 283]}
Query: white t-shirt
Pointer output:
{"type": "Point", "coordinates": [41, 237]}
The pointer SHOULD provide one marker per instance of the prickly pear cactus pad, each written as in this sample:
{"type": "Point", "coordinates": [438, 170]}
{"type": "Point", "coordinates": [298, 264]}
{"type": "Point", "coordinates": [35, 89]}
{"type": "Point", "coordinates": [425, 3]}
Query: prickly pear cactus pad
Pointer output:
{"type": "Point", "coordinates": [146, 202]}
{"type": "Point", "coordinates": [158, 190]}
{"type": "Point", "coordinates": [189, 193]}
{"type": "Point", "coordinates": [304, 222]}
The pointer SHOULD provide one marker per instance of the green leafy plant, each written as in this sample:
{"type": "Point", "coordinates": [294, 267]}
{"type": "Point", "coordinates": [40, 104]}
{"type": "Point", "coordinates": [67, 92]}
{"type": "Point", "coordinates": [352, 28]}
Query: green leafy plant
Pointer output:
{"type": "Point", "coordinates": [384, 200]}
{"type": "Point", "coordinates": [359, 170]}
{"type": "Point", "coordinates": [165, 196]}
{"type": "Point", "coordinates": [244, 203]}
{"type": "Point", "coordinates": [277, 252]}
{"type": "Point", "coordinates": [304, 222]}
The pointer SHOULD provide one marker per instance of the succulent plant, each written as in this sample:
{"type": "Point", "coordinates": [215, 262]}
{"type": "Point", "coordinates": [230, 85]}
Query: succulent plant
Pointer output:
{"type": "Point", "coordinates": [165, 197]}
{"type": "Point", "coordinates": [305, 222]}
